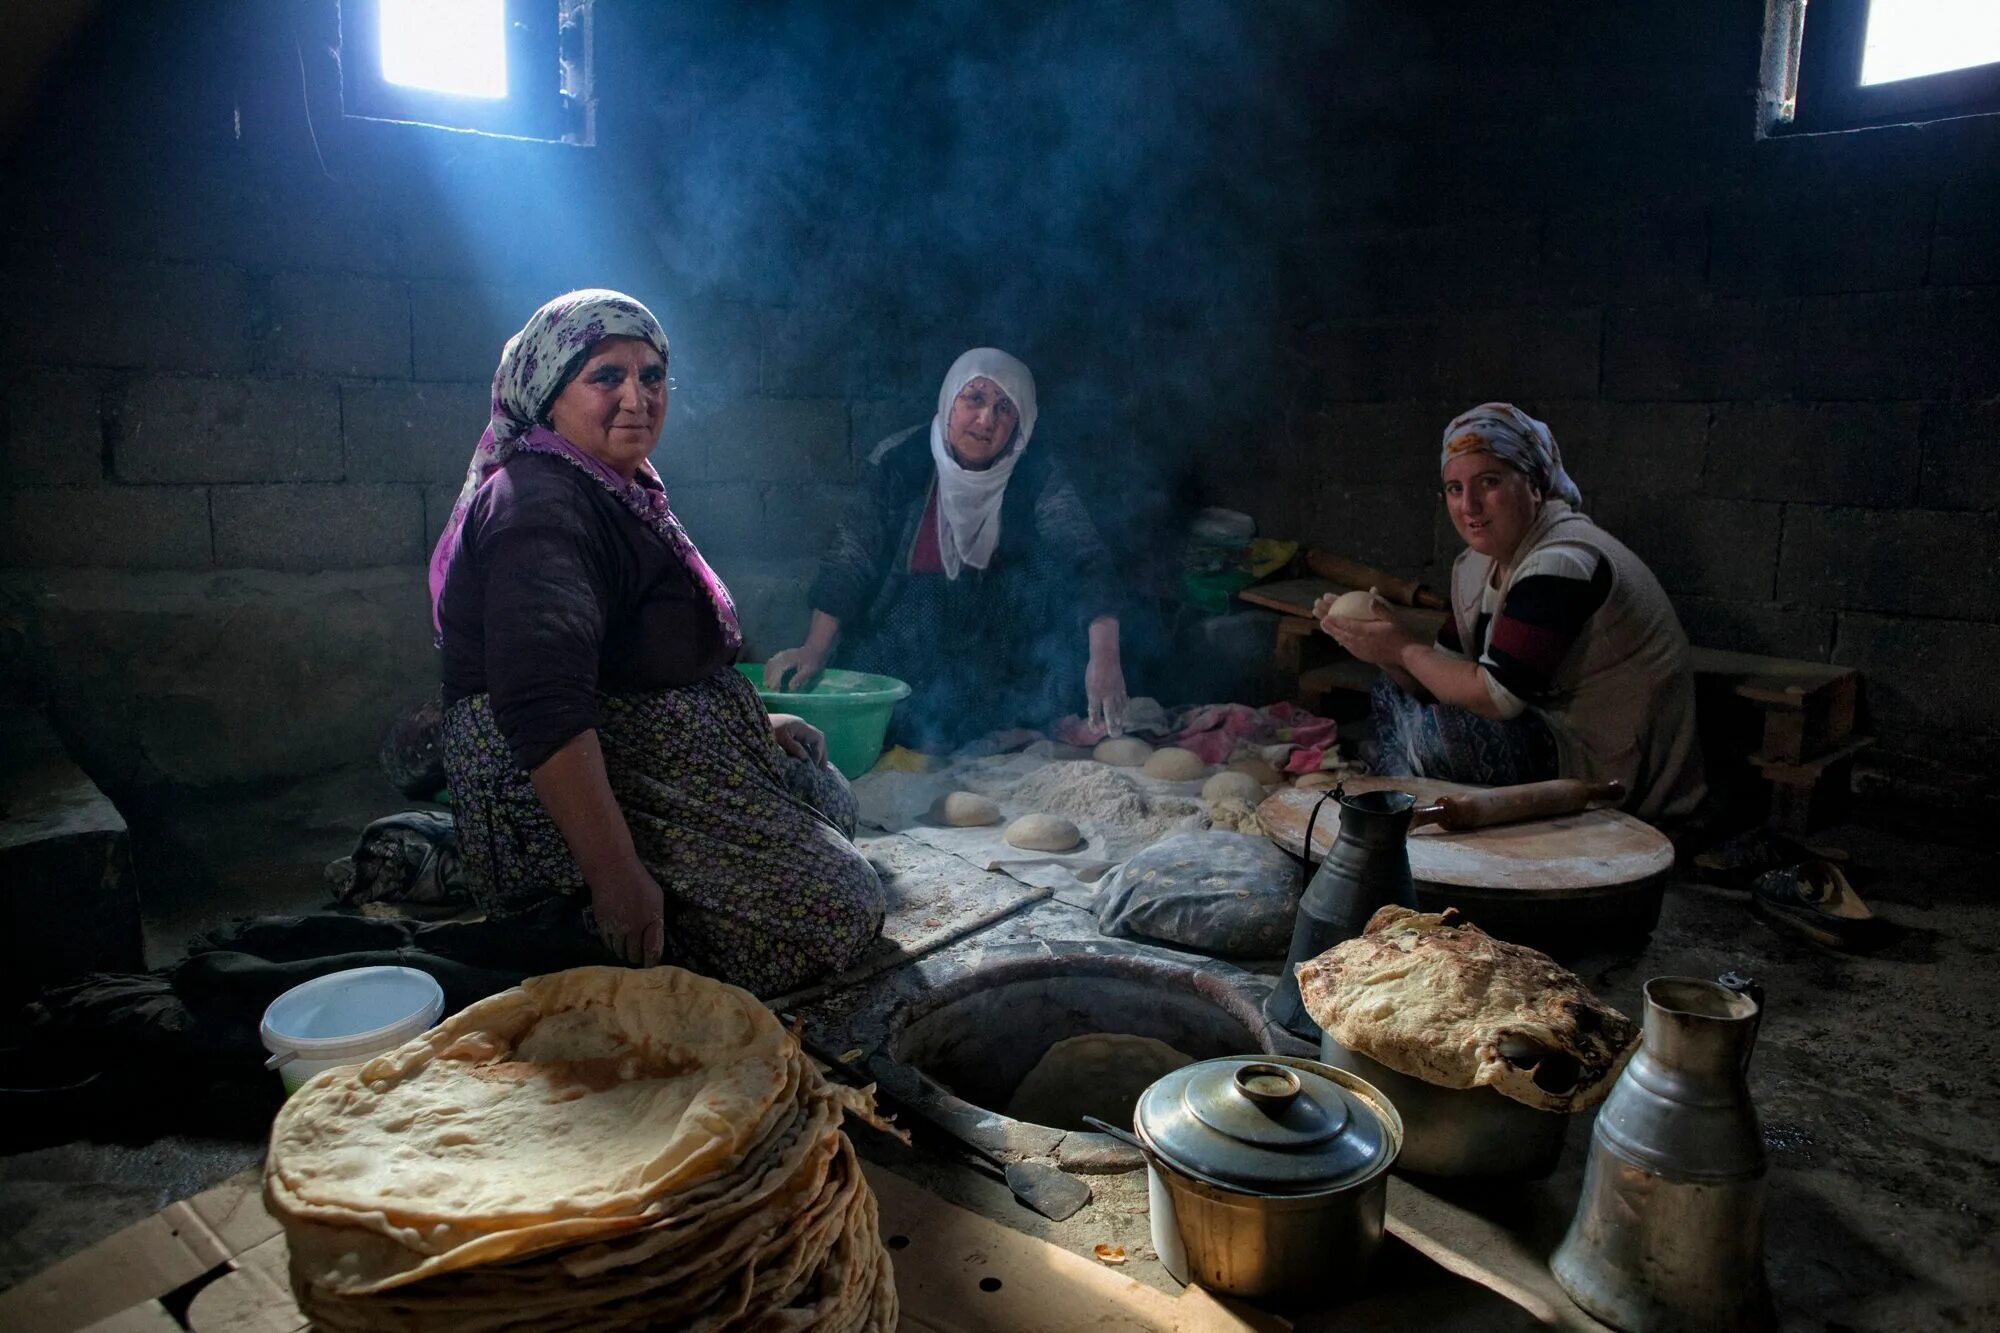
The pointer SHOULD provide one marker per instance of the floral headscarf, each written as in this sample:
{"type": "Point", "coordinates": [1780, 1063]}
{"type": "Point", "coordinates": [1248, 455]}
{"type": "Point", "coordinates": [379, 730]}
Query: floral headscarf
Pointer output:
{"type": "Point", "coordinates": [1515, 438]}
{"type": "Point", "coordinates": [534, 366]}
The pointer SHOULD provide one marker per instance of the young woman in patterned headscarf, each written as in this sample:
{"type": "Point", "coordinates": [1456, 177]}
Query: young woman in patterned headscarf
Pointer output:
{"type": "Point", "coordinates": [599, 745]}
{"type": "Point", "coordinates": [969, 567]}
{"type": "Point", "coordinates": [1561, 656]}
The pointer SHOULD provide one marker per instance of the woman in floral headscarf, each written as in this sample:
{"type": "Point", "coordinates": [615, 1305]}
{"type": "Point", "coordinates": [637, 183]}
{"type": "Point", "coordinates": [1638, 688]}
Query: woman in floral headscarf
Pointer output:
{"type": "Point", "coordinates": [969, 567]}
{"type": "Point", "coordinates": [1561, 656]}
{"type": "Point", "coordinates": [600, 747]}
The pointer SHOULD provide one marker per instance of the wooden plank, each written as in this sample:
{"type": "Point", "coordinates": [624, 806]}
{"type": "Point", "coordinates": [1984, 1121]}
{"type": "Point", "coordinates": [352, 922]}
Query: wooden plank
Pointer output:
{"type": "Point", "coordinates": [1783, 681]}
{"type": "Point", "coordinates": [1593, 849]}
{"type": "Point", "coordinates": [1295, 597]}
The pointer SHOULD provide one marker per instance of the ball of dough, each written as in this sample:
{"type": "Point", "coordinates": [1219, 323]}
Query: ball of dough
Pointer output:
{"type": "Point", "coordinates": [1259, 768]}
{"type": "Point", "coordinates": [1122, 752]}
{"type": "Point", "coordinates": [1174, 764]}
{"type": "Point", "coordinates": [1230, 785]}
{"type": "Point", "coordinates": [1356, 605]}
{"type": "Point", "coordinates": [964, 809]}
{"type": "Point", "coordinates": [1043, 833]}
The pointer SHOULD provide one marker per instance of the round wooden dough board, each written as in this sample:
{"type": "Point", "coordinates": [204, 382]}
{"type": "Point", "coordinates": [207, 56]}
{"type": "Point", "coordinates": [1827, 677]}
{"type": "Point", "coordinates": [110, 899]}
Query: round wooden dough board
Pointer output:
{"type": "Point", "coordinates": [1596, 849]}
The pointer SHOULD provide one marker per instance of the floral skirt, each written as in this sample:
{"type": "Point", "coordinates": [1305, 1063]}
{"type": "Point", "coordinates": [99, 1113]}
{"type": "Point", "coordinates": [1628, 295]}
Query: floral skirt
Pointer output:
{"type": "Point", "coordinates": [751, 848]}
{"type": "Point", "coordinates": [1415, 739]}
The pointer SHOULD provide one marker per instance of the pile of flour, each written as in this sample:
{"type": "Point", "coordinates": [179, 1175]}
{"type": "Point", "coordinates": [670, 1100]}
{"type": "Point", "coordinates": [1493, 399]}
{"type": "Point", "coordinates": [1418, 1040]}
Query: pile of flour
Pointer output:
{"type": "Point", "coordinates": [1089, 792]}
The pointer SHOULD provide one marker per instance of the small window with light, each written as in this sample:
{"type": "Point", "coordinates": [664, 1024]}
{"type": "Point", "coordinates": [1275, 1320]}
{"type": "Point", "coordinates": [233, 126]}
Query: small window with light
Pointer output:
{"type": "Point", "coordinates": [1848, 64]}
{"type": "Point", "coordinates": [513, 67]}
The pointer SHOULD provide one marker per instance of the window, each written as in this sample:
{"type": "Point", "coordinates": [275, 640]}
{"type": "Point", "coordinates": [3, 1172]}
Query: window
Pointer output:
{"type": "Point", "coordinates": [1843, 64]}
{"type": "Point", "coordinates": [512, 67]}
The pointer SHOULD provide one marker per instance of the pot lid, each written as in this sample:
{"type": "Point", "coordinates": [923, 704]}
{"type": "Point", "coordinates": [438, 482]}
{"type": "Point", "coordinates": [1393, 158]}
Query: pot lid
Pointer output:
{"type": "Point", "coordinates": [1265, 1124]}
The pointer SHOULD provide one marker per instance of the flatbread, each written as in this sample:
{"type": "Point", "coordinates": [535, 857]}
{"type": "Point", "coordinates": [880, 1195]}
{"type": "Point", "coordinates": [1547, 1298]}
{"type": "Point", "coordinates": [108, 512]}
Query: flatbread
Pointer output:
{"type": "Point", "coordinates": [1435, 997]}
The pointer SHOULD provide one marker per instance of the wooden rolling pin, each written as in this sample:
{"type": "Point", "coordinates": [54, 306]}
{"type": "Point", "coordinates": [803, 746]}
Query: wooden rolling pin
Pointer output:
{"type": "Point", "coordinates": [1354, 574]}
{"type": "Point", "coordinates": [1514, 805]}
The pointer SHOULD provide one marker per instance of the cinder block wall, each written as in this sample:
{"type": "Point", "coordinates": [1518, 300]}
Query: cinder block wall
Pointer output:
{"type": "Point", "coordinates": [1772, 366]}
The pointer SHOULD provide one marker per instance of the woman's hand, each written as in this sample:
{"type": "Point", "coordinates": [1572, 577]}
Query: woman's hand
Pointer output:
{"type": "Point", "coordinates": [808, 659]}
{"type": "Point", "coordinates": [630, 912]}
{"type": "Point", "coordinates": [1377, 642]}
{"type": "Point", "coordinates": [797, 737]}
{"type": "Point", "coordinates": [802, 662]}
{"type": "Point", "coordinates": [1104, 679]}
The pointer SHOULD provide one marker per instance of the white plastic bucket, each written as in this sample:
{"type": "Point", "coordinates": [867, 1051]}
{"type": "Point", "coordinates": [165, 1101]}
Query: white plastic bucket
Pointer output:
{"type": "Point", "coordinates": [344, 1018]}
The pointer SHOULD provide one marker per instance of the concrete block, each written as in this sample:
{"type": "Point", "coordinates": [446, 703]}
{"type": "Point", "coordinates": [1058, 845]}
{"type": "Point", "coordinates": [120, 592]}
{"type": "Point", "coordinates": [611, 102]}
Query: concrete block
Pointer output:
{"type": "Point", "coordinates": [1771, 628]}
{"type": "Point", "coordinates": [1873, 345]}
{"type": "Point", "coordinates": [1961, 456]}
{"type": "Point", "coordinates": [53, 432]}
{"type": "Point", "coordinates": [1639, 447]}
{"type": "Point", "coordinates": [1920, 675]}
{"type": "Point", "coordinates": [770, 600]}
{"type": "Point", "coordinates": [1712, 349]}
{"type": "Point", "coordinates": [1908, 562]}
{"type": "Point", "coordinates": [1965, 246]}
{"type": "Point", "coordinates": [351, 525]}
{"type": "Point", "coordinates": [798, 520]}
{"type": "Point", "coordinates": [790, 439]}
{"type": "Point", "coordinates": [116, 527]}
{"type": "Point", "coordinates": [190, 317]}
{"type": "Point", "coordinates": [1816, 453]}
{"type": "Point", "coordinates": [723, 519]}
{"type": "Point", "coordinates": [1373, 361]}
{"type": "Point", "coordinates": [69, 904]}
{"type": "Point", "coordinates": [396, 430]}
{"type": "Point", "coordinates": [715, 348]}
{"type": "Point", "coordinates": [1386, 526]}
{"type": "Point", "coordinates": [337, 324]}
{"type": "Point", "coordinates": [1696, 544]}
{"type": "Point", "coordinates": [1631, 257]}
{"type": "Point", "coordinates": [1376, 443]}
{"type": "Point", "coordinates": [458, 328]}
{"type": "Point", "coordinates": [200, 680]}
{"type": "Point", "coordinates": [1510, 354]}
{"type": "Point", "coordinates": [1966, 332]}
{"type": "Point", "coordinates": [815, 352]}
{"type": "Point", "coordinates": [1825, 242]}
{"type": "Point", "coordinates": [1382, 273]}
{"type": "Point", "coordinates": [176, 428]}
{"type": "Point", "coordinates": [870, 423]}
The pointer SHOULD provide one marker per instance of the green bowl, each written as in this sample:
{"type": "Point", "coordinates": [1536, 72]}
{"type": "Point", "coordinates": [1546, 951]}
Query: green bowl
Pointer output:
{"type": "Point", "coordinates": [851, 707]}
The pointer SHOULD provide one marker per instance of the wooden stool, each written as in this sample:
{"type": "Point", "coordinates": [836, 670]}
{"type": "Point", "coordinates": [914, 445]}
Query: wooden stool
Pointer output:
{"type": "Point", "coordinates": [1807, 747]}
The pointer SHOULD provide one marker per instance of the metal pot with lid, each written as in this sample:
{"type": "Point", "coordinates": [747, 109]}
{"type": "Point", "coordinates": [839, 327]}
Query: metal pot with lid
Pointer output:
{"type": "Point", "coordinates": [1267, 1176]}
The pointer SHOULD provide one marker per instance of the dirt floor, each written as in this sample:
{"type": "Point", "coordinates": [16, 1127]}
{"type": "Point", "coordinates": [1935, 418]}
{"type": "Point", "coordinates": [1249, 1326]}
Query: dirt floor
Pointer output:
{"type": "Point", "coordinates": [1874, 1077]}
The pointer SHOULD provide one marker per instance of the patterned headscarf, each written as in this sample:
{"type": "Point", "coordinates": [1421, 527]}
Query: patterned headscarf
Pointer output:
{"type": "Point", "coordinates": [969, 498]}
{"type": "Point", "coordinates": [1515, 438]}
{"type": "Point", "coordinates": [534, 366]}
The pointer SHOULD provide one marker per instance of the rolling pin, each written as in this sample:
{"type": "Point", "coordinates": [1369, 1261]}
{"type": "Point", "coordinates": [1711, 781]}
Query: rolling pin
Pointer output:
{"type": "Point", "coordinates": [1354, 574]}
{"type": "Point", "coordinates": [1513, 805]}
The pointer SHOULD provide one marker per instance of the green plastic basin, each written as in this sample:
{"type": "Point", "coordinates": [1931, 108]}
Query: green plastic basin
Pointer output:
{"type": "Point", "coordinates": [851, 707]}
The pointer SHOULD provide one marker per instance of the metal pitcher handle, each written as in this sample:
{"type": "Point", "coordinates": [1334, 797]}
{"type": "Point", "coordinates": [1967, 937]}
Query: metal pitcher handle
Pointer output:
{"type": "Point", "coordinates": [1750, 986]}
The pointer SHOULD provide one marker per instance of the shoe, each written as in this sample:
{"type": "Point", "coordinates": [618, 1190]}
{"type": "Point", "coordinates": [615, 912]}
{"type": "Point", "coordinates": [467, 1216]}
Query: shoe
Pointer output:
{"type": "Point", "coordinates": [1736, 862]}
{"type": "Point", "coordinates": [1814, 900]}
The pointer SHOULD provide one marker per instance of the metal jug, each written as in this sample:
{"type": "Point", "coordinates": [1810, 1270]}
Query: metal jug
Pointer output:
{"type": "Point", "coordinates": [1669, 1230]}
{"type": "Point", "coordinates": [1367, 866]}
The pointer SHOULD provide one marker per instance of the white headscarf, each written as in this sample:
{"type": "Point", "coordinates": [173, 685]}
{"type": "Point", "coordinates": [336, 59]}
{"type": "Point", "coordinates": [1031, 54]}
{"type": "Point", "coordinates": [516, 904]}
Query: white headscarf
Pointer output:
{"type": "Point", "coordinates": [968, 500]}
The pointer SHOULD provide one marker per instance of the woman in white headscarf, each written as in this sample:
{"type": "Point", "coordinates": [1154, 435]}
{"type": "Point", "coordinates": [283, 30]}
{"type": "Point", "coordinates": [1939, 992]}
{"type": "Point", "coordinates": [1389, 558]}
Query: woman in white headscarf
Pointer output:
{"type": "Point", "coordinates": [1561, 657]}
{"type": "Point", "coordinates": [969, 567]}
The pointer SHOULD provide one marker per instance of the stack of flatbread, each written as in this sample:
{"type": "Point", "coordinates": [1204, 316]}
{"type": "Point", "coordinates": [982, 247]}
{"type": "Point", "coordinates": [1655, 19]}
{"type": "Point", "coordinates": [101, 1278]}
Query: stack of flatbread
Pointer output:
{"type": "Point", "coordinates": [1432, 996]}
{"type": "Point", "coordinates": [601, 1148]}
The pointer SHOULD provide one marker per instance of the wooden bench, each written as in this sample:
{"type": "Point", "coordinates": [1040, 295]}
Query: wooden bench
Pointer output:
{"type": "Point", "coordinates": [1802, 741]}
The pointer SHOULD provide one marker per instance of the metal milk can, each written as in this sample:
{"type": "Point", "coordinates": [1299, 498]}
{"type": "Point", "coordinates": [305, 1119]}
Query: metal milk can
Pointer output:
{"type": "Point", "coordinates": [1669, 1230]}
{"type": "Point", "coordinates": [1367, 867]}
